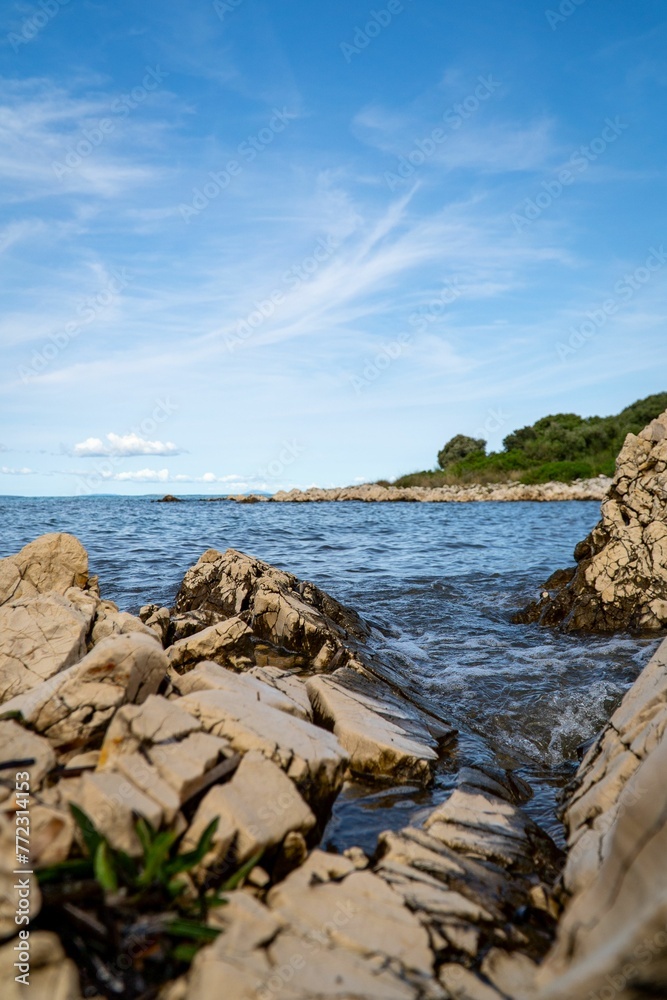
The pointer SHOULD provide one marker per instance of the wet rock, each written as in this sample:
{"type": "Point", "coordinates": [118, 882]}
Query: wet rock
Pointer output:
{"type": "Point", "coordinates": [620, 581]}
{"type": "Point", "coordinates": [377, 737]}
{"type": "Point", "coordinates": [247, 717]}
{"type": "Point", "coordinates": [52, 975]}
{"type": "Point", "coordinates": [39, 636]}
{"type": "Point", "coordinates": [256, 811]}
{"type": "Point", "coordinates": [74, 707]}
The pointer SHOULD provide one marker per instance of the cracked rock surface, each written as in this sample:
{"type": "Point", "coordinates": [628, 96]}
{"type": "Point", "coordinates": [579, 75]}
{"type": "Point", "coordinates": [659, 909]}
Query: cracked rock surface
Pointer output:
{"type": "Point", "coordinates": [620, 581]}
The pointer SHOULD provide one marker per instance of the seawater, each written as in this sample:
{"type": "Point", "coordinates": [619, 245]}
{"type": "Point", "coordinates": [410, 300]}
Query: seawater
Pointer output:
{"type": "Point", "coordinates": [444, 578]}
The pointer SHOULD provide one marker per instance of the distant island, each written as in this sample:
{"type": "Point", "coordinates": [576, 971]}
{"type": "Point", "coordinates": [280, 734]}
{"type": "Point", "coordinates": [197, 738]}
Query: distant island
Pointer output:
{"type": "Point", "coordinates": [558, 448]}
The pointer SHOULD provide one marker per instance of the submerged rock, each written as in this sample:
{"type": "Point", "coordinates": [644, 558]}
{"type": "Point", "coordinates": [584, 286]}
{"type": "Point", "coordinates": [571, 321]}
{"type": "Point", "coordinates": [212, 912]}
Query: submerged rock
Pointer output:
{"type": "Point", "coordinates": [620, 581]}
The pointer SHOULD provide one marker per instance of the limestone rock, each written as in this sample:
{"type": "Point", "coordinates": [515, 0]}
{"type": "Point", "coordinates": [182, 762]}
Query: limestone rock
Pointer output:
{"type": "Point", "coordinates": [312, 757]}
{"type": "Point", "coordinates": [112, 802]}
{"type": "Point", "coordinates": [52, 562]}
{"type": "Point", "coordinates": [257, 809]}
{"type": "Point", "coordinates": [110, 621]}
{"type": "Point", "coordinates": [377, 738]}
{"type": "Point", "coordinates": [227, 643]}
{"type": "Point", "coordinates": [52, 975]}
{"type": "Point", "coordinates": [8, 894]}
{"type": "Point", "coordinates": [278, 608]}
{"type": "Point", "coordinates": [17, 743]}
{"type": "Point", "coordinates": [612, 933]}
{"type": "Point", "coordinates": [290, 686]}
{"type": "Point", "coordinates": [620, 581]}
{"type": "Point", "coordinates": [75, 706]}
{"type": "Point", "coordinates": [212, 677]}
{"type": "Point", "coordinates": [39, 636]}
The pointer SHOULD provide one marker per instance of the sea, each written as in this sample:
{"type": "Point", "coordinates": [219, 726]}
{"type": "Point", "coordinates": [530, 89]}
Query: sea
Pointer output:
{"type": "Point", "coordinates": [443, 579]}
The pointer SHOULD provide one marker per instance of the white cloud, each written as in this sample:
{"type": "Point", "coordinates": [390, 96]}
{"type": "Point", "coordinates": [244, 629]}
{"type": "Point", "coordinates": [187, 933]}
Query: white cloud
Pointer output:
{"type": "Point", "coordinates": [5, 471]}
{"type": "Point", "coordinates": [123, 445]}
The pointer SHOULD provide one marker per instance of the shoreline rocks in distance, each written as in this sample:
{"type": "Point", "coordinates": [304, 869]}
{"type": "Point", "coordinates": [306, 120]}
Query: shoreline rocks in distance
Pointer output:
{"type": "Point", "coordinates": [584, 489]}
{"type": "Point", "coordinates": [620, 580]}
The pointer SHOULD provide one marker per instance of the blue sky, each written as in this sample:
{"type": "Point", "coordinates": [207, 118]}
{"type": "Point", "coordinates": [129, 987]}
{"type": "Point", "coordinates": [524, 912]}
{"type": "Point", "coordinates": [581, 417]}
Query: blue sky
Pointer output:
{"type": "Point", "coordinates": [250, 245]}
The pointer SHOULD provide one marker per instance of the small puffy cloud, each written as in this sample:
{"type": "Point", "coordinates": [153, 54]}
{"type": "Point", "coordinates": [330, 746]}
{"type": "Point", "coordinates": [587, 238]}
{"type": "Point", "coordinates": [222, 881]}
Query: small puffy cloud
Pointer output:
{"type": "Point", "coordinates": [5, 471]}
{"type": "Point", "coordinates": [123, 445]}
{"type": "Point", "coordinates": [142, 476]}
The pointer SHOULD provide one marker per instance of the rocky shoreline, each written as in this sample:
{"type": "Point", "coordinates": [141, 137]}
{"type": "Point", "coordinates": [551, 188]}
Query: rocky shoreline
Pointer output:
{"type": "Point", "coordinates": [182, 766]}
{"type": "Point", "coordinates": [583, 489]}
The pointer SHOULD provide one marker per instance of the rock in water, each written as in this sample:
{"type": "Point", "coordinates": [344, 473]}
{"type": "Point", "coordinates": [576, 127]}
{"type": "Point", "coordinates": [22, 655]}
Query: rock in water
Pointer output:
{"type": "Point", "coordinates": [620, 581]}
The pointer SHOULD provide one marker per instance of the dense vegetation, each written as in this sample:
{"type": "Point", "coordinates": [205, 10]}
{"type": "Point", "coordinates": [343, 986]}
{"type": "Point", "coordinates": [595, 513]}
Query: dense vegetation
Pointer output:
{"type": "Point", "coordinates": [561, 447]}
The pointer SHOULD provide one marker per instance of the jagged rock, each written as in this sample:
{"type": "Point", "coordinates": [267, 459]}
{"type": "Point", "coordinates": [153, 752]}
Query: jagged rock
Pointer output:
{"type": "Point", "coordinates": [380, 739]}
{"type": "Point", "coordinates": [159, 621]}
{"type": "Point", "coordinates": [162, 750]}
{"type": "Point", "coordinates": [17, 743]}
{"type": "Point", "coordinates": [228, 643]}
{"type": "Point", "coordinates": [74, 707]}
{"type": "Point", "coordinates": [52, 562]}
{"type": "Point", "coordinates": [256, 811]}
{"type": "Point", "coordinates": [620, 581]}
{"type": "Point", "coordinates": [110, 621]}
{"type": "Point", "coordinates": [290, 686]}
{"type": "Point", "coordinates": [212, 677]}
{"type": "Point", "coordinates": [39, 636]}
{"type": "Point", "coordinates": [52, 975]}
{"type": "Point", "coordinates": [240, 713]}
{"type": "Point", "coordinates": [612, 933]}
{"type": "Point", "coordinates": [276, 605]}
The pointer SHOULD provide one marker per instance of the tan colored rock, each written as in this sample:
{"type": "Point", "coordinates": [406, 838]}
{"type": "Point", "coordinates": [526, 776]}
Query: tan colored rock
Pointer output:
{"type": "Point", "coordinates": [53, 562]}
{"type": "Point", "coordinates": [620, 581]}
{"type": "Point", "coordinates": [290, 686]}
{"type": "Point", "coordinates": [246, 924]}
{"type": "Point", "coordinates": [360, 913]}
{"type": "Point", "coordinates": [52, 976]}
{"type": "Point", "coordinates": [39, 636]}
{"type": "Point", "coordinates": [51, 835]}
{"type": "Point", "coordinates": [312, 757]}
{"type": "Point", "coordinates": [259, 807]}
{"type": "Point", "coordinates": [112, 802]}
{"type": "Point", "coordinates": [8, 892]}
{"type": "Point", "coordinates": [377, 738]}
{"type": "Point", "coordinates": [212, 677]}
{"type": "Point", "coordinates": [137, 728]}
{"type": "Point", "coordinates": [75, 706]}
{"type": "Point", "coordinates": [185, 765]}
{"type": "Point", "coordinates": [279, 608]}
{"type": "Point", "coordinates": [17, 743]}
{"type": "Point", "coordinates": [462, 984]}
{"type": "Point", "coordinates": [218, 643]}
{"type": "Point", "coordinates": [110, 621]}
{"type": "Point", "coordinates": [512, 973]}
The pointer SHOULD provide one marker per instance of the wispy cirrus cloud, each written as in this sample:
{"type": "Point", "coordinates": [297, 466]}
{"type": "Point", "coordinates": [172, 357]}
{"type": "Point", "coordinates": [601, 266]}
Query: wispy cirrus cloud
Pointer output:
{"type": "Point", "coordinates": [123, 446]}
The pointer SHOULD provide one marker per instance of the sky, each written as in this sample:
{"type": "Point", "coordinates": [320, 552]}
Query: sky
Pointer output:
{"type": "Point", "coordinates": [249, 245]}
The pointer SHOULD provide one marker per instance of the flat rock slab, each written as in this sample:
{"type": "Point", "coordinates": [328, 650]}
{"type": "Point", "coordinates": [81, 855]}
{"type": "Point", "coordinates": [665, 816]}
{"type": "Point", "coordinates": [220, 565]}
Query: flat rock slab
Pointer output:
{"type": "Point", "coordinates": [312, 757]}
{"type": "Point", "coordinates": [377, 740]}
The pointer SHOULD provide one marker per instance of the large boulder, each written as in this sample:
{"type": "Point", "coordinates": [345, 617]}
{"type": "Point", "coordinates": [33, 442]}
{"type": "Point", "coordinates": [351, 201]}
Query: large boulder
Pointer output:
{"type": "Point", "coordinates": [74, 707]}
{"type": "Point", "coordinates": [52, 562]}
{"type": "Point", "coordinates": [620, 581]}
{"type": "Point", "coordinates": [612, 937]}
